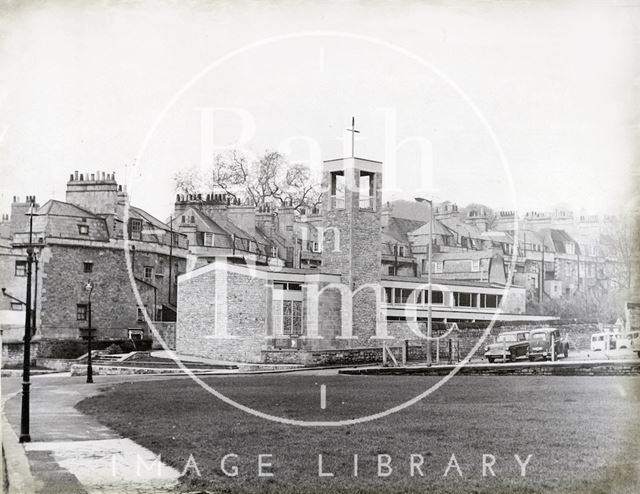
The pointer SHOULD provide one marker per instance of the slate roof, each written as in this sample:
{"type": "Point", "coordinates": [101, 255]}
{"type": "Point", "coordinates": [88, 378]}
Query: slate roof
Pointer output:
{"type": "Point", "coordinates": [59, 219]}
{"type": "Point", "coordinates": [439, 228]}
{"type": "Point", "coordinates": [398, 228]}
{"type": "Point", "coordinates": [557, 238]}
{"type": "Point", "coordinates": [141, 214]}
{"type": "Point", "coordinates": [58, 208]}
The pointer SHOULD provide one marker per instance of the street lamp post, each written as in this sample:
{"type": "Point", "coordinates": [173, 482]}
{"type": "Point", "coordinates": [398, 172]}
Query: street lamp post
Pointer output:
{"type": "Point", "coordinates": [89, 287]}
{"type": "Point", "coordinates": [25, 436]}
{"type": "Point", "coordinates": [429, 268]}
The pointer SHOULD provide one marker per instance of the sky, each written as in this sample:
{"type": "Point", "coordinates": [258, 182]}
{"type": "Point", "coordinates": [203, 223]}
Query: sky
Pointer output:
{"type": "Point", "coordinates": [517, 105]}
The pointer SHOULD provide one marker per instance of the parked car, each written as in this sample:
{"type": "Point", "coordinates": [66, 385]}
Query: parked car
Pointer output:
{"type": "Point", "coordinates": [615, 341]}
{"type": "Point", "coordinates": [509, 345]}
{"type": "Point", "coordinates": [543, 340]}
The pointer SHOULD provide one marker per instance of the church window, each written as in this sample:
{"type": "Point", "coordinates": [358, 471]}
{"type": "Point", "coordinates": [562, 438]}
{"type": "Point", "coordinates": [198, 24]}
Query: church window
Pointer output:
{"type": "Point", "coordinates": [287, 317]}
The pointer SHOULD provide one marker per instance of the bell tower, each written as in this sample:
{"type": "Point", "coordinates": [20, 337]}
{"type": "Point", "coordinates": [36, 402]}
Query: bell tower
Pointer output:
{"type": "Point", "coordinates": [352, 233]}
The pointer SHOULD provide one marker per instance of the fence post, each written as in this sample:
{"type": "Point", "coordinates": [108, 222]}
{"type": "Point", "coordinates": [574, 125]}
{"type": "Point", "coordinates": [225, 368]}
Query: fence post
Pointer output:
{"type": "Point", "coordinates": [553, 348]}
{"type": "Point", "coordinates": [405, 352]}
{"type": "Point", "coordinates": [438, 351]}
{"type": "Point", "coordinates": [384, 354]}
{"type": "Point", "coordinates": [450, 351]}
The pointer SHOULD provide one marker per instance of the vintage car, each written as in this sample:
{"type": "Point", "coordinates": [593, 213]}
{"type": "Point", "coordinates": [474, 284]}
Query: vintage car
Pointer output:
{"type": "Point", "coordinates": [509, 345]}
{"type": "Point", "coordinates": [546, 343]}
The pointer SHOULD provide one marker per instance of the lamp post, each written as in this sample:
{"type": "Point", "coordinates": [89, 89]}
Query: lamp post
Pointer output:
{"type": "Point", "coordinates": [89, 287]}
{"type": "Point", "coordinates": [25, 436]}
{"type": "Point", "coordinates": [429, 257]}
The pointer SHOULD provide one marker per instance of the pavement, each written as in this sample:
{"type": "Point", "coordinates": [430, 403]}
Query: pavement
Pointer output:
{"type": "Point", "coordinates": [73, 453]}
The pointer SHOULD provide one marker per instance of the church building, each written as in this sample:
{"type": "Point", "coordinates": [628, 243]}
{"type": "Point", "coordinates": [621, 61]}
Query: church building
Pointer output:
{"type": "Point", "coordinates": [267, 312]}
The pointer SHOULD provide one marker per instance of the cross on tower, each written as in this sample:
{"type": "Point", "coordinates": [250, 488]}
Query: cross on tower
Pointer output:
{"type": "Point", "coordinates": [353, 135]}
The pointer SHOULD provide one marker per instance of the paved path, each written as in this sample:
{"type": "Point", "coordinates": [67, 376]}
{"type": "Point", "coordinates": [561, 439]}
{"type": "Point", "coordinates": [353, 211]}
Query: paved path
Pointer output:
{"type": "Point", "coordinates": [73, 453]}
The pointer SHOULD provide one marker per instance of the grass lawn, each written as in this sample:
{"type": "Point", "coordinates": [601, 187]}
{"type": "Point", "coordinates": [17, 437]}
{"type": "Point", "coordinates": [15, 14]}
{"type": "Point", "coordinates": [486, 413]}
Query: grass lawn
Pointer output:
{"type": "Point", "coordinates": [582, 432]}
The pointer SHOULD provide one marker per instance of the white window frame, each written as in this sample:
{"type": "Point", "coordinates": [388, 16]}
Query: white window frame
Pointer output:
{"type": "Point", "coordinates": [208, 239]}
{"type": "Point", "coordinates": [475, 265]}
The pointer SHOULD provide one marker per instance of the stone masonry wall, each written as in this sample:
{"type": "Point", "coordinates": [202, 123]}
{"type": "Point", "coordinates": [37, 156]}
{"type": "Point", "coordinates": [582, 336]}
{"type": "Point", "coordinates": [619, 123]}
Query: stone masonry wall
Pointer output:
{"type": "Point", "coordinates": [246, 309]}
{"type": "Point", "coordinates": [114, 307]}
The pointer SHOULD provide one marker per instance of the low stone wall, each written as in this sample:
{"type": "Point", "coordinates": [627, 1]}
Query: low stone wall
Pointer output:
{"type": "Point", "coordinates": [13, 353]}
{"type": "Point", "coordinates": [627, 368]}
{"type": "Point", "coordinates": [346, 356]}
{"type": "Point", "coordinates": [58, 364]}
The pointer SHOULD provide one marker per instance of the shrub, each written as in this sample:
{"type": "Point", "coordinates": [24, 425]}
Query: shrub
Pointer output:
{"type": "Point", "coordinates": [114, 349]}
{"type": "Point", "coordinates": [63, 349]}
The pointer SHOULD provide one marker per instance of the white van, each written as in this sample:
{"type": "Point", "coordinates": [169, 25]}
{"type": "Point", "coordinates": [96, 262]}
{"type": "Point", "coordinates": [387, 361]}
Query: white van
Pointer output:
{"type": "Point", "coordinates": [615, 341]}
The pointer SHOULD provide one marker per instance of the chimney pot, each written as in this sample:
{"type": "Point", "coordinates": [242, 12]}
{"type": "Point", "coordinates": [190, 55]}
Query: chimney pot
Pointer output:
{"type": "Point", "coordinates": [71, 177]}
{"type": "Point", "coordinates": [93, 176]}
{"type": "Point", "coordinates": [76, 174]}
{"type": "Point", "coordinates": [81, 177]}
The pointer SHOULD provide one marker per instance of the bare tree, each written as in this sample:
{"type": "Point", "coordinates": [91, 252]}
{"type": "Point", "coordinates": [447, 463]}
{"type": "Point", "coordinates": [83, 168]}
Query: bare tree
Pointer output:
{"type": "Point", "coordinates": [269, 179]}
{"type": "Point", "coordinates": [617, 246]}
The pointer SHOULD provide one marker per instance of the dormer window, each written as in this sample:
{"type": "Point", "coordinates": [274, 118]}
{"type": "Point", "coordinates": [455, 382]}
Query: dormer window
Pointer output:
{"type": "Point", "coordinates": [135, 229]}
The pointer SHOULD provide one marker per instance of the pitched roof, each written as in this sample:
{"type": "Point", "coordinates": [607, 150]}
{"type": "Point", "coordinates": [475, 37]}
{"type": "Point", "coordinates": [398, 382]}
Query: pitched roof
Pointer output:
{"type": "Point", "coordinates": [398, 228]}
{"type": "Point", "coordinates": [138, 213]}
{"type": "Point", "coordinates": [557, 238]}
{"type": "Point", "coordinates": [439, 228]}
{"type": "Point", "coordinates": [54, 207]}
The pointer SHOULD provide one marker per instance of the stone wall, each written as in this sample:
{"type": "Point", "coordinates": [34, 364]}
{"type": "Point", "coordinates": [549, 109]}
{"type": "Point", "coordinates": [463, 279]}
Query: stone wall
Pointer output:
{"type": "Point", "coordinates": [167, 331]}
{"type": "Point", "coordinates": [13, 354]}
{"type": "Point", "coordinates": [114, 306]}
{"type": "Point", "coordinates": [245, 307]}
